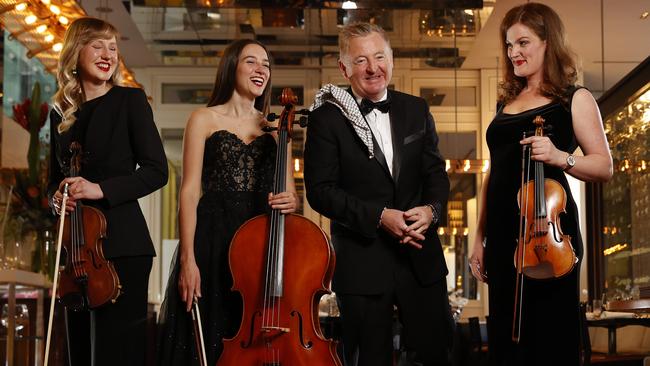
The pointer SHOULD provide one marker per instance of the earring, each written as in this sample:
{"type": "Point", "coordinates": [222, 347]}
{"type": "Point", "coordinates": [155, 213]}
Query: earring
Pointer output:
{"type": "Point", "coordinates": [74, 72]}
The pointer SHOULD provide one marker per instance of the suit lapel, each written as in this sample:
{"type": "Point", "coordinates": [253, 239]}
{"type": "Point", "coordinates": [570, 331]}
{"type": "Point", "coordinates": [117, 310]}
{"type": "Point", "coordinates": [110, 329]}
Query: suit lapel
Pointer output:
{"type": "Point", "coordinates": [379, 157]}
{"type": "Point", "coordinates": [398, 116]}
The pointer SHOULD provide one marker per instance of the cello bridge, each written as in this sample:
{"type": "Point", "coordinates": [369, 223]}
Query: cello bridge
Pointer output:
{"type": "Point", "coordinates": [270, 329]}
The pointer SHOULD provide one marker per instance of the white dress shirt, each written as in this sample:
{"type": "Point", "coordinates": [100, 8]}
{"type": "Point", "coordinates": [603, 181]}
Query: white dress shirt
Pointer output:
{"type": "Point", "coordinates": [380, 126]}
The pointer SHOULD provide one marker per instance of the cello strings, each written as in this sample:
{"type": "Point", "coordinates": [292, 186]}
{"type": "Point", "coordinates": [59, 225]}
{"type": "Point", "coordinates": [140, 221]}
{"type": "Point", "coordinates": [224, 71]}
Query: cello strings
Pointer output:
{"type": "Point", "coordinates": [268, 280]}
{"type": "Point", "coordinates": [281, 188]}
{"type": "Point", "coordinates": [276, 219]}
{"type": "Point", "coordinates": [272, 260]}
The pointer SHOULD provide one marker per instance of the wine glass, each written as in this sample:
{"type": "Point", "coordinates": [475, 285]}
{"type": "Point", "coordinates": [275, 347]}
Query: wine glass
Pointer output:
{"type": "Point", "coordinates": [21, 316]}
{"type": "Point", "coordinates": [597, 308]}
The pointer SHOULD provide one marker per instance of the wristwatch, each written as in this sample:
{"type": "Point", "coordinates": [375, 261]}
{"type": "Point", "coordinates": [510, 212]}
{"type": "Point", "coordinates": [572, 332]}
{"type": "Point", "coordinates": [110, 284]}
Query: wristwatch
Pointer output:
{"type": "Point", "coordinates": [570, 162]}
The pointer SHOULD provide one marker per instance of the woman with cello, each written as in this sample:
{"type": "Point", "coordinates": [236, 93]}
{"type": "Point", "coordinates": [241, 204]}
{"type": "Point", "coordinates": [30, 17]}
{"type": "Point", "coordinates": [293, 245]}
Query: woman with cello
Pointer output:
{"type": "Point", "coordinates": [228, 170]}
{"type": "Point", "coordinates": [122, 160]}
{"type": "Point", "coordinates": [535, 321]}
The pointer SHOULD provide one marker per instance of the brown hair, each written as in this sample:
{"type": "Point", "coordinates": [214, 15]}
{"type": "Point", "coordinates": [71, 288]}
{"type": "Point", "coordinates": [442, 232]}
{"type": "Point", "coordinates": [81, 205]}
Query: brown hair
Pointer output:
{"type": "Point", "coordinates": [224, 84]}
{"type": "Point", "coordinates": [359, 29]}
{"type": "Point", "coordinates": [559, 72]}
{"type": "Point", "coordinates": [70, 94]}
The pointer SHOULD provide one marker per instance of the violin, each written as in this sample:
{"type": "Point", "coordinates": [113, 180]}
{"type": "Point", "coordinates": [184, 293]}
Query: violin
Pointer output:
{"type": "Point", "coordinates": [281, 265]}
{"type": "Point", "coordinates": [88, 280]}
{"type": "Point", "coordinates": [543, 251]}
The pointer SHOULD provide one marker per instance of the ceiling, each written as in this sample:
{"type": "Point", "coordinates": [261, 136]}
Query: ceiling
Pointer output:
{"type": "Point", "coordinates": [299, 30]}
{"type": "Point", "coordinates": [625, 43]}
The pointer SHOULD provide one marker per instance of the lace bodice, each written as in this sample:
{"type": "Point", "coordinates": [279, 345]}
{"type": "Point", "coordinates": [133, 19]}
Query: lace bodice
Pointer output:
{"type": "Point", "coordinates": [230, 165]}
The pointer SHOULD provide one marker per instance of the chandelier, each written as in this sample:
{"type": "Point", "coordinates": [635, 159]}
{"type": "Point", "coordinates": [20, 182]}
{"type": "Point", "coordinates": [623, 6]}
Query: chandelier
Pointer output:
{"type": "Point", "coordinates": [40, 25]}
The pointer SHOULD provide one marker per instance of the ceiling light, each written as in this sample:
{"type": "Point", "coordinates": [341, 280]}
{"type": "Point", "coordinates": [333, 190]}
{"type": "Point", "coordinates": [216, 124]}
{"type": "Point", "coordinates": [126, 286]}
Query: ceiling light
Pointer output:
{"type": "Point", "coordinates": [46, 2]}
{"type": "Point", "coordinates": [349, 5]}
{"type": "Point", "coordinates": [63, 20]}
{"type": "Point", "coordinates": [30, 19]}
{"type": "Point", "coordinates": [49, 38]}
{"type": "Point", "coordinates": [214, 14]}
{"type": "Point", "coordinates": [57, 47]}
{"type": "Point", "coordinates": [55, 9]}
{"type": "Point", "coordinates": [486, 166]}
{"type": "Point", "coordinates": [21, 6]}
{"type": "Point", "coordinates": [41, 28]}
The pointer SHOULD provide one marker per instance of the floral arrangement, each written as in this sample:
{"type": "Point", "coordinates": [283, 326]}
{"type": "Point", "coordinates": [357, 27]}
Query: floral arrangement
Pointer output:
{"type": "Point", "coordinates": [31, 115]}
{"type": "Point", "coordinates": [29, 205]}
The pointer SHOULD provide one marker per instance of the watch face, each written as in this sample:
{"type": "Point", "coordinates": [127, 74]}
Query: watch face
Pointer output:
{"type": "Point", "coordinates": [570, 160]}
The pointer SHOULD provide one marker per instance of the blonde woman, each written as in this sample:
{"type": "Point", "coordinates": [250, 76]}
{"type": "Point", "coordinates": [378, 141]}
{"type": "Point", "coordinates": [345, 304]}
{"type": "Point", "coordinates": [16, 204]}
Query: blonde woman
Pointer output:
{"type": "Point", "coordinates": [123, 160]}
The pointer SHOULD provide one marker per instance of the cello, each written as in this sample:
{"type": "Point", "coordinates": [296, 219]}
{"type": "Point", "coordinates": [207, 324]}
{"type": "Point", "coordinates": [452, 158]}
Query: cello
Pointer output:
{"type": "Point", "coordinates": [281, 265]}
{"type": "Point", "coordinates": [543, 251]}
{"type": "Point", "coordinates": [88, 280]}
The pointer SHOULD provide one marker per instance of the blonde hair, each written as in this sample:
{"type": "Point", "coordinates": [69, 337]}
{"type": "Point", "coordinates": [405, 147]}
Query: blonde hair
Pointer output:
{"type": "Point", "coordinates": [70, 95]}
{"type": "Point", "coordinates": [359, 29]}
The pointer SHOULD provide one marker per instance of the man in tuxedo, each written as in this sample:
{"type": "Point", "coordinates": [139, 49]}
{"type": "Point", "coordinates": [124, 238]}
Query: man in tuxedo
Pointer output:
{"type": "Point", "coordinates": [373, 167]}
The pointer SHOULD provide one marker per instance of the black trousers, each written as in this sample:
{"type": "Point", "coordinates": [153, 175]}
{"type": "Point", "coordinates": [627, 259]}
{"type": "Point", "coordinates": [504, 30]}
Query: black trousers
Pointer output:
{"type": "Point", "coordinates": [425, 315]}
{"type": "Point", "coordinates": [114, 334]}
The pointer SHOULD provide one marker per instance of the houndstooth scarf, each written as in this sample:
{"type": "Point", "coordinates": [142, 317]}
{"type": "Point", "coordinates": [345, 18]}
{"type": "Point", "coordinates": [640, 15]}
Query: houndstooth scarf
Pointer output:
{"type": "Point", "coordinates": [345, 102]}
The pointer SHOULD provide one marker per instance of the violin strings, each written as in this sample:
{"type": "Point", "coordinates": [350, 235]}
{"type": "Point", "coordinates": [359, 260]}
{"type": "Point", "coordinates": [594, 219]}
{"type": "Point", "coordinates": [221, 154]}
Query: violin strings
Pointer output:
{"type": "Point", "coordinates": [73, 234]}
{"type": "Point", "coordinates": [525, 207]}
{"type": "Point", "coordinates": [75, 243]}
{"type": "Point", "coordinates": [539, 200]}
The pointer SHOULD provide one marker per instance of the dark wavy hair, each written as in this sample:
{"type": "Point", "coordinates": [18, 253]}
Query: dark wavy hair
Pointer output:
{"type": "Point", "coordinates": [224, 84]}
{"type": "Point", "coordinates": [560, 70]}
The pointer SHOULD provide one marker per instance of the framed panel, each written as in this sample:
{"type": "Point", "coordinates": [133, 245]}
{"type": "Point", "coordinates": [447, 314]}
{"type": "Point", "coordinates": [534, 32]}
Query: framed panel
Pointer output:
{"type": "Point", "coordinates": [446, 96]}
{"type": "Point", "coordinates": [186, 93]}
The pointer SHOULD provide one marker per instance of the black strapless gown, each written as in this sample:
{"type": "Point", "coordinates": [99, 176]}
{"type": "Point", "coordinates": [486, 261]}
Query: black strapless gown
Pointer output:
{"type": "Point", "coordinates": [550, 323]}
{"type": "Point", "coordinates": [236, 180]}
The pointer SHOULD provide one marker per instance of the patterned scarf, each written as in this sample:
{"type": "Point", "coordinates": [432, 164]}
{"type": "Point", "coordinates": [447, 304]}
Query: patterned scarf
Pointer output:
{"type": "Point", "coordinates": [348, 106]}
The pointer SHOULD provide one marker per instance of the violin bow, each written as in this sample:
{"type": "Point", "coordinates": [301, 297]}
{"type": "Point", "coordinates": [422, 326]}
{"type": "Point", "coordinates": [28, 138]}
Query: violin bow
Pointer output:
{"type": "Point", "coordinates": [59, 241]}
{"type": "Point", "coordinates": [198, 332]}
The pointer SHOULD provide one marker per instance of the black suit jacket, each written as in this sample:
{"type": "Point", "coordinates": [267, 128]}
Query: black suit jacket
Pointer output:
{"type": "Point", "coordinates": [345, 185]}
{"type": "Point", "coordinates": [124, 155]}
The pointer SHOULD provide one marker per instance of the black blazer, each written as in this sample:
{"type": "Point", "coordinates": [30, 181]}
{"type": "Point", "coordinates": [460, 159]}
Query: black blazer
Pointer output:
{"type": "Point", "coordinates": [124, 154]}
{"type": "Point", "coordinates": [343, 184]}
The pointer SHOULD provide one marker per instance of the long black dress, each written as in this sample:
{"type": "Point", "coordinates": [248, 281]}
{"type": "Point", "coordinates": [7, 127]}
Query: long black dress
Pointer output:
{"type": "Point", "coordinates": [550, 322]}
{"type": "Point", "coordinates": [236, 180]}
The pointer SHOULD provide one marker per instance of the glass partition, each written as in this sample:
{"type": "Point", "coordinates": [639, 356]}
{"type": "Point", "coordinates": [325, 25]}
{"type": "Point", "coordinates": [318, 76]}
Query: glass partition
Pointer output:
{"type": "Point", "coordinates": [626, 201]}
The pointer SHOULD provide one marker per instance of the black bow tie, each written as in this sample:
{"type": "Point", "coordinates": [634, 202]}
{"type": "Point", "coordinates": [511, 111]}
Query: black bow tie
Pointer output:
{"type": "Point", "coordinates": [368, 105]}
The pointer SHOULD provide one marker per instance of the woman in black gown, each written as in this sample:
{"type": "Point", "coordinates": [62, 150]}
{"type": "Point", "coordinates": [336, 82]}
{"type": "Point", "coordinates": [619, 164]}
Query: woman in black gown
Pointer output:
{"type": "Point", "coordinates": [228, 167]}
{"type": "Point", "coordinates": [540, 75]}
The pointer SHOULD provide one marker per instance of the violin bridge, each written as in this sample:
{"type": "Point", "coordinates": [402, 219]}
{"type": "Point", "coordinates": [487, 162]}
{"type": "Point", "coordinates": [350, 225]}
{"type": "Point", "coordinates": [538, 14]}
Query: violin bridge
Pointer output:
{"type": "Point", "coordinates": [276, 329]}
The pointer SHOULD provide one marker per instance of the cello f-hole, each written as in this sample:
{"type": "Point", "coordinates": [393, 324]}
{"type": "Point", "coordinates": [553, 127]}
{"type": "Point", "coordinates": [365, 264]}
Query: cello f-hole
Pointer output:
{"type": "Point", "coordinates": [251, 331]}
{"type": "Point", "coordinates": [309, 344]}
